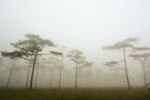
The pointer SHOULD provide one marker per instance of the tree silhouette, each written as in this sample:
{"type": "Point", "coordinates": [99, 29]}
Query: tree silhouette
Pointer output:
{"type": "Point", "coordinates": [77, 57]}
{"type": "Point", "coordinates": [127, 43]}
{"type": "Point", "coordinates": [111, 63]}
{"type": "Point", "coordinates": [12, 55]}
{"type": "Point", "coordinates": [142, 57]}
{"type": "Point", "coordinates": [42, 68]}
{"type": "Point", "coordinates": [60, 54]}
{"type": "Point", "coordinates": [52, 75]}
{"type": "Point", "coordinates": [31, 46]}
{"type": "Point", "coordinates": [51, 64]}
{"type": "Point", "coordinates": [52, 69]}
{"type": "Point", "coordinates": [54, 63]}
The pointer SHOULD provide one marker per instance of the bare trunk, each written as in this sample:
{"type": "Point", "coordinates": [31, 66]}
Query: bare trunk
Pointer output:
{"type": "Point", "coordinates": [37, 74]}
{"type": "Point", "coordinates": [126, 70]}
{"type": "Point", "coordinates": [60, 73]}
{"type": "Point", "coordinates": [60, 78]}
{"type": "Point", "coordinates": [144, 74]}
{"type": "Point", "coordinates": [51, 79]}
{"type": "Point", "coordinates": [34, 62]}
{"type": "Point", "coordinates": [76, 77]}
{"type": "Point", "coordinates": [10, 74]}
{"type": "Point", "coordinates": [28, 74]}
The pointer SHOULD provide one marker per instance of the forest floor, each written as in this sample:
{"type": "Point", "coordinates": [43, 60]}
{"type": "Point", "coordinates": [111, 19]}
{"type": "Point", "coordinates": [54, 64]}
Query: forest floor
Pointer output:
{"type": "Point", "coordinates": [74, 94]}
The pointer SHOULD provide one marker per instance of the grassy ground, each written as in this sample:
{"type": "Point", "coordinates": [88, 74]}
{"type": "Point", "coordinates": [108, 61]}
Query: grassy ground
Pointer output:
{"type": "Point", "coordinates": [74, 94]}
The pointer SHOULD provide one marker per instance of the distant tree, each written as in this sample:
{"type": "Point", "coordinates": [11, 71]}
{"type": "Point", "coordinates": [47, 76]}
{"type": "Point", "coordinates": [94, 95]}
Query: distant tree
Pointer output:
{"type": "Point", "coordinates": [76, 56]}
{"type": "Point", "coordinates": [52, 75]}
{"type": "Point", "coordinates": [142, 57]}
{"type": "Point", "coordinates": [80, 61]}
{"type": "Point", "coordinates": [54, 63]}
{"type": "Point", "coordinates": [42, 68]}
{"type": "Point", "coordinates": [31, 46]}
{"type": "Point", "coordinates": [12, 55]}
{"type": "Point", "coordinates": [52, 70]}
{"type": "Point", "coordinates": [127, 43]}
{"type": "Point", "coordinates": [60, 54]}
{"type": "Point", "coordinates": [111, 63]}
{"type": "Point", "coordinates": [50, 64]}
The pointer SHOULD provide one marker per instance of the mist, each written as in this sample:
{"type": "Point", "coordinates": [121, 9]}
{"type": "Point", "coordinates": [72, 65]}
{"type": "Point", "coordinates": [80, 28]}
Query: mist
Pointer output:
{"type": "Point", "coordinates": [87, 26]}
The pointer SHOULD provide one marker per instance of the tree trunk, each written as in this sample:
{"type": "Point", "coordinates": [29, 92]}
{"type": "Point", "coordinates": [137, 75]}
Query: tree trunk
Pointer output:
{"type": "Point", "coordinates": [76, 77]}
{"type": "Point", "coordinates": [10, 74]}
{"type": "Point", "coordinates": [144, 74]}
{"type": "Point", "coordinates": [37, 74]}
{"type": "Point", "coordinates": [60, 73]}
{"type": "Point", "coordinates": [51, 79]}
{"type": "Point", "coordinates": [126, 70]}
{"type": "Point", "coordinates": [60, 78]}
{"type": "Point", "coordinates": [34, 62]}
{"type": "Point", "coordinates": [28, 74]}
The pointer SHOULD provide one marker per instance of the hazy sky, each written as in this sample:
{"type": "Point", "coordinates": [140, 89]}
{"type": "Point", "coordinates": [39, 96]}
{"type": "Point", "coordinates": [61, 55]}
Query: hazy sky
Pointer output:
{"type": "Point", "coordinates": [86, 25]}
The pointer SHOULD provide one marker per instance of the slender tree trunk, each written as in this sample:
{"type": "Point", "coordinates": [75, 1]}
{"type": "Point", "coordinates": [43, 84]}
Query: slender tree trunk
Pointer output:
{"type": "Point", "coordinates": [34, 62]}
{"type": "Point", "coordinates": [60, 78]}
{"type": "Point", "coordinates": [76, 75]}
{"type": "Point", "coordinates": [10, 74]}
{"type": "Point", "coordinates": [126, 70]}
{"type": "Point", "coordinates": [37, 74]}
{"type": "Point", "coordinates": [60, 73]}
{"type": "Point", "coordinates": [51, 79]}
{"type": "Point", "coordinates": [144, 74]}
{"type": "Point", "coordinates": [28, 74]}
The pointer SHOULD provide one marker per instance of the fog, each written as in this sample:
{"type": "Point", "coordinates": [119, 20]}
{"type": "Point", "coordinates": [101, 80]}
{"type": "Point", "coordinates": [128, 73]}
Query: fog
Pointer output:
{"type": "Point", "coordinates": [84, 25]}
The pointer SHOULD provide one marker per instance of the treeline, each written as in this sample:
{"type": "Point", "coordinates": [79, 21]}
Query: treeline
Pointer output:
{"type": "Point", "coordinates": [30, 50]}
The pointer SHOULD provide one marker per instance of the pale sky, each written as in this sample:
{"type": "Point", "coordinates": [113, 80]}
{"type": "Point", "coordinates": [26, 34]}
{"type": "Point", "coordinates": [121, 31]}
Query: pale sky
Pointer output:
{"type": "Point", "coordinates": [86, 25]}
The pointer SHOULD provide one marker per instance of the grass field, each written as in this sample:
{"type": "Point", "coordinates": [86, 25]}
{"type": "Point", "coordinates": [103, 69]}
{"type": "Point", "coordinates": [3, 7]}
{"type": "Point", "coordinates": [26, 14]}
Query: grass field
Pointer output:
{"type": "Point", "coordinates": [74, 94]}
